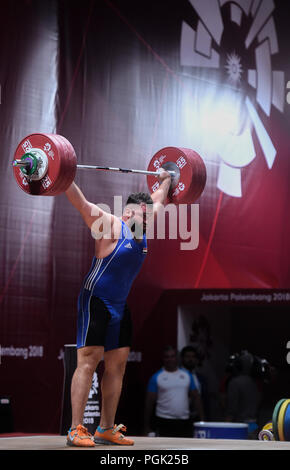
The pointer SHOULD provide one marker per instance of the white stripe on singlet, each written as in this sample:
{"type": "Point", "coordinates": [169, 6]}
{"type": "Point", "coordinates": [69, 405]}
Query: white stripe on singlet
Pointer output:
{"type": "Point", "coordinates": [88, 283]}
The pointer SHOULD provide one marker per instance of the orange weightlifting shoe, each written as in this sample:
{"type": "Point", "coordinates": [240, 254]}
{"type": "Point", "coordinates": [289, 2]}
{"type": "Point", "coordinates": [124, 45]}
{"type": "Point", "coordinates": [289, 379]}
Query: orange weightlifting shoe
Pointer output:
{"type": "Point", "coordinates": [80, 437]}
{"type": "Point", "coordinates": [112, 436]}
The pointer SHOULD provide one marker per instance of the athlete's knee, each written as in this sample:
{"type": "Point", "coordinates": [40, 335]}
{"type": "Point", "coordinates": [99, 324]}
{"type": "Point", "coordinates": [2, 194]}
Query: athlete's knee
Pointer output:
{"type": "Point", "coordinates": [87, 368]}
{"type": "Point", "coordinates": [115, 369]}
{"type": "Point", "coordinates": [115, 366]}
{"type": "Point", "coordinates": [89, 358]}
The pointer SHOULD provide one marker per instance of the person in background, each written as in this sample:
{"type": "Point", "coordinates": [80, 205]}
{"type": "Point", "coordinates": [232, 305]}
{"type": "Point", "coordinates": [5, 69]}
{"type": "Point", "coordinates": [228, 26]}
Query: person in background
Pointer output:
{"type": "Point", "coordinates": [168, 397]}
{"type": "Point", "coordinates": [242, 393]}
{"type": "Point", "coordinates": [190, 361]}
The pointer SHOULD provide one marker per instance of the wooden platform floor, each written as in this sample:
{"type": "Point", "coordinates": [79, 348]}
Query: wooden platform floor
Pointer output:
{"type": "Point", "coordinates": [141, 443]}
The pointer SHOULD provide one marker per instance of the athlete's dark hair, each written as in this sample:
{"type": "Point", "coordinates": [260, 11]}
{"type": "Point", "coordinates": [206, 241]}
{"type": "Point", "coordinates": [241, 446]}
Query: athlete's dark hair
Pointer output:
{"type": "Point", "coordinates": [137, 198]}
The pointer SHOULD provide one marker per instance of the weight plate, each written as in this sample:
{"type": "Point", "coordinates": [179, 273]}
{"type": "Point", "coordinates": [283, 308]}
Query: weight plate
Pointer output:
{"type": "Point", "coordinates": [49, 182]}
{"type": "Point", "coordinates": [281, 416]}
{"type": "Point", "coordinates": [190, 180]}
{"type": "Point", "coordinates": [265, 435]}
{"type": "Point", "coordinates": [287, 424]}
{"type": "Point", "coordinates": [71, 162]}
{"type": "Point", "coordinates": [275, 418]}
{"type": "Point", "coordinates": [268, 426]}
{"type": "Point", "coordinates": [61, 182]}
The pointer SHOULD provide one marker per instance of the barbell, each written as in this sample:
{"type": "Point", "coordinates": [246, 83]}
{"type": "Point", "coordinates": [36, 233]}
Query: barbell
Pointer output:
{"type": "Point", "coordinates": [46, 164]}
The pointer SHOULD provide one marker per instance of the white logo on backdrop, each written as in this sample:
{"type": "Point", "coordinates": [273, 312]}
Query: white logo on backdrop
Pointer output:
{"type": "Point", "coordinates": [200, 48]}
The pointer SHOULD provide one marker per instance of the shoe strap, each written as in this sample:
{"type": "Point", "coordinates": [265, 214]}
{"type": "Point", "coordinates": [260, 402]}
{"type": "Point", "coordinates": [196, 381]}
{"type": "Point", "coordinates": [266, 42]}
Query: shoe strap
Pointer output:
{"type": "Point", "coordinates": [118, 428]}
{"type": "Point", "coordinates": [80, 428]}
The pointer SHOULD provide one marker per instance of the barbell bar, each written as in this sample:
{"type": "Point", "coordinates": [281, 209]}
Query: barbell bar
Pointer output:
{"type": "Point", "coordinates": [26, 165]}
{"type": "Point", "coordinates": [46, 164]}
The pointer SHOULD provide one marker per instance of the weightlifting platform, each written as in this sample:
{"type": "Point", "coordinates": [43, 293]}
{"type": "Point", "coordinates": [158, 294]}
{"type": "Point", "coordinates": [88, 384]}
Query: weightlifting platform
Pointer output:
{"type": "Point", "coordinates": [56, 442]}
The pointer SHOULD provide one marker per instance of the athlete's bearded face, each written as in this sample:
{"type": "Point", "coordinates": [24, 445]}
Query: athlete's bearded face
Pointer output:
{"type": "Point", "coordinates": [140, 215]}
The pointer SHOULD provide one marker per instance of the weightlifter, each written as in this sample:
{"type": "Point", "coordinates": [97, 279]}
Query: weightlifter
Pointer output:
{"type": "Point", "coordinates": [104, 324]}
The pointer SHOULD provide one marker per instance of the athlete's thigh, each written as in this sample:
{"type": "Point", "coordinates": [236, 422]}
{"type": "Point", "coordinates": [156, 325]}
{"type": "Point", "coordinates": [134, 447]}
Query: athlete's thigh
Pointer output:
{"type": "Point", "coordinates": [119, 331]}
{"type": "Point", "coordinates": [93, 321]}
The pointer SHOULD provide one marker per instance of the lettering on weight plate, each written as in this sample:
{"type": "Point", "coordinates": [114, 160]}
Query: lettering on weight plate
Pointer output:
{"type": "Point", "coordinates": [155, 186]}
{"type": "Point", "coordinates": [156, 164]}
{"type": "Point", "coordinates": [26, 145]}
{"type": "Point", "coordinates": [180, 187]}
{"type": "Point", "coordinates": [47, 147]}
{"type": "Point", "coordinates": [162, 158]}
{"type": "Point", "coordinates": [46, 182]}
{"type": "Point", "coordinates": [24, 180]}
{"type": "Point", "coordinates": [181, 162]}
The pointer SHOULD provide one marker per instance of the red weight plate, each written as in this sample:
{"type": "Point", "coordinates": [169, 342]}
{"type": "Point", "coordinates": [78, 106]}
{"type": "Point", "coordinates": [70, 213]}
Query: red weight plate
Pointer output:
{"type": "Point", "coordinates": [72, 153]}
{"type": "Point", "coordinates": [71, 162]}
{"type": "Point", "coordinates": [57, 188]}
{"type": "Point", "coordinates": [50, 181]}
{"type": "Point", "coordinates": [68, 167]}
{"type": "Point", "coordinates": [191, 167]}
{"type": "Point", "coordinates": [198, 181]}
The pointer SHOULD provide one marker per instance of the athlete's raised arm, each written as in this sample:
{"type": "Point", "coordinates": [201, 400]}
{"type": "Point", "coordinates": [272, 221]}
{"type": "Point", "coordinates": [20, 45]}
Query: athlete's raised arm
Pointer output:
{"type": "Point", "coordinates": [90, 212]}
{"type": "Point", "coordinates": [159, 197]}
